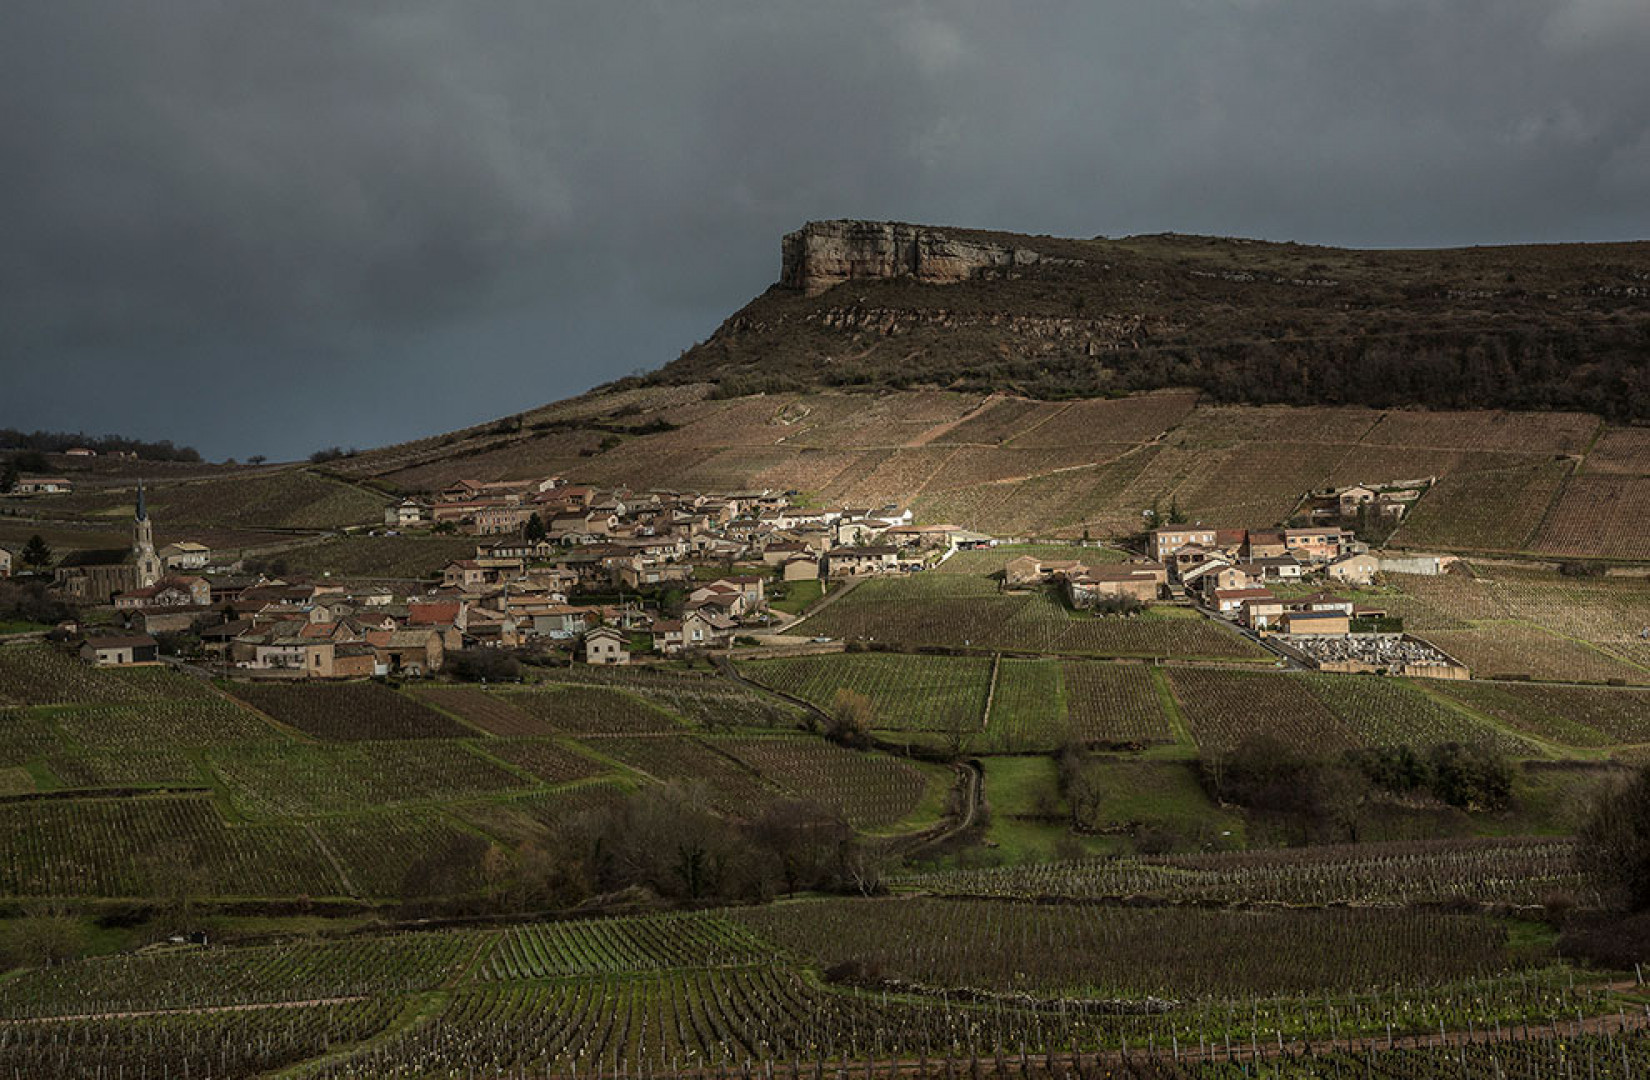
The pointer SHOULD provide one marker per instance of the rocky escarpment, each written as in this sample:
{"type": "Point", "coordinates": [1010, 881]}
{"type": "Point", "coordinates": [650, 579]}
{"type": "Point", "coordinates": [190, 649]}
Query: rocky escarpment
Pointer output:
{"type": "Point", "coordinates": [823, 254]}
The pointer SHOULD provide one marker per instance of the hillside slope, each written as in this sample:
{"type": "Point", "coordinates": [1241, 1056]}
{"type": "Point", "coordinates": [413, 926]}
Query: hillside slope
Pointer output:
{"type": "Point", "coordinates": [902, 306]}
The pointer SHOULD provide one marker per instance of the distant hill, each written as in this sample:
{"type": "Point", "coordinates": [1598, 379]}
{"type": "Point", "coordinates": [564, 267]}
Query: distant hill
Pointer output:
{"type": "Point", "coordinates": [873, 304]}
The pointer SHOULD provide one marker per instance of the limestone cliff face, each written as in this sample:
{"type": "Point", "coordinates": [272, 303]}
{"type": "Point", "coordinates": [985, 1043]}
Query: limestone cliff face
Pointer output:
{"type": "Point", "coordinates": [823, 254]}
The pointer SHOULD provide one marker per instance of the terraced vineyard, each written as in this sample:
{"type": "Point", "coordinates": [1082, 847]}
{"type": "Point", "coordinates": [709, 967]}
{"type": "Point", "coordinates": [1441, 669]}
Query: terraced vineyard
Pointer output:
{"type": "Point", "coordinates": [1516, 651]}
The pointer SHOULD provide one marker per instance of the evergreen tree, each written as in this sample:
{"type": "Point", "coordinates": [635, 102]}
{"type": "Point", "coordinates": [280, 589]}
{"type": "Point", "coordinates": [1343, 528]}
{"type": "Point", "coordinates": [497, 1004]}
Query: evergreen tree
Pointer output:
{"type": "Point", "coordinates": [36, 553]}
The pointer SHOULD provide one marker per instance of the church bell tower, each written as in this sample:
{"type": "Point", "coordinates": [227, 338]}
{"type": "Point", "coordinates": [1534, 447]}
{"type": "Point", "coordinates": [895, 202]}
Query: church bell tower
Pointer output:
{"type": "Point", "coordinates": [143, 544]}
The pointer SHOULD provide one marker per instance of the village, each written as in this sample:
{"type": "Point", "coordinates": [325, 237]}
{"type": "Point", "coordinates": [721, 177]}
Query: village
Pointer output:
{"type": "Point", "coordinates": [611, 577]}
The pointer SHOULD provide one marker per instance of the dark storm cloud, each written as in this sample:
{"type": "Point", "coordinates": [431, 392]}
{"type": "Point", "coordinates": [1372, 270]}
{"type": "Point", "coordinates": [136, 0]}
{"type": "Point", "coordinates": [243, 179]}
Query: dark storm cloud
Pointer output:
{"type": "Point", "coordinates": [272, 226]}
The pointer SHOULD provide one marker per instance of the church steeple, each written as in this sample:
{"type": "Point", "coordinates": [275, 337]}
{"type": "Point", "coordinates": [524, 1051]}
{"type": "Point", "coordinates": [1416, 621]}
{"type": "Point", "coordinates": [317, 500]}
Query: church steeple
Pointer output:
{"type": "Point", "coordinates": [143, 543]}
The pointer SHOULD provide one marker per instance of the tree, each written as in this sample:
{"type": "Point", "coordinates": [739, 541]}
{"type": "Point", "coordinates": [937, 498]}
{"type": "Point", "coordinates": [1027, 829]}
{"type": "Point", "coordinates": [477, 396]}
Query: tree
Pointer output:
{"type": "Point", "coordinates": [850, 720]}
{"type": "Point", "coordinates": [1613, 847]}
{"type": "Point", "coordinates": [533, 532]}
{"type": "Point", "coordinates": [8, 477]}
{"type": "Point", "coordinates": [36, 553]}
{"type": "Point", "coordinates": [256, 459]}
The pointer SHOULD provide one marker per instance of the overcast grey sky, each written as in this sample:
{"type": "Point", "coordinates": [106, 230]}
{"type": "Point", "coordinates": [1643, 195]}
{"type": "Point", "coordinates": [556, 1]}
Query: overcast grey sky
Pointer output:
{"type": "Point", "coordinates": [265, 227]}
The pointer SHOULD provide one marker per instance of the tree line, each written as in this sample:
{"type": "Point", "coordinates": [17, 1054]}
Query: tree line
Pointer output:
{"type": "Point", "coordinates": [56, 442]}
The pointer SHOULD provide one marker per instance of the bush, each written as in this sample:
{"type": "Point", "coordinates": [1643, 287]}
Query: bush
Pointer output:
{"type": "Point", "coordinates": [484, 665]}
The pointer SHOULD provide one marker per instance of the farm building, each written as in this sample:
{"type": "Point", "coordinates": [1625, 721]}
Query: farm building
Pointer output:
{"type": "Point", "coordinates": [120, 650]}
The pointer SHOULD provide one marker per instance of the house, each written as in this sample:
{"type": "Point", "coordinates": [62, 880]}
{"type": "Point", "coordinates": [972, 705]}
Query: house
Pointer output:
{"type": "Point", "coordinates": [1349, 499]}
{"type": "Point", "coordinates": [1322, 602]}
{"type": "Point", "coordinates": [496, 520]}
{"type": "Point", "coordinates": [800, 568]}
{"type": "Point", "coordinates": [409, 651]}
{"type": "Point", "coordinates": [1165, 542]}
{"type": "Point", "coordinates": [779, 551]}
{"type": "Point", "coordinates": [1316, 623]}
{"type": "Point", "coordinates": [168, 592]}
{"type": "Point", "coordinates": [120, 650]}
{"type": "Point", "coordinates": [1028, 570]}
{"type": "Point", "coordinates": [1141, 581]}
{"type": "Point", "coordinates": [1317, 544]}
{"type": "Point", "coordinates": [185, 555]}
{"type": "Point", "coordinates": [606, 646]}
{"type": "Point", "coordinates": [1231, 601]}
{"type": "Point", "coordinates": [406, 513]}
{"type": "Point", "coordinates": [1262, 614]}
{"type": "Point", "coordinates": [475, 574]}
{"type": "Point", "coordinates": [1357, 569]}
{"type": "Point", "coordinates": [695, 630]}
{"type": "Point", "coordinates": [43, 485]}
{"type": "Point", "coordinates": [1265, 544]}
{"type": "Point", "coordinates": [559, 621]}
{"type": "Point", "coordinates": [5, 563]}
{"type": "Point", "coordinates": [861, 562]}
{"type": "Point", "coordinates": [1282, 568]}
{"type": "Point", "coordinates": [80, 451]}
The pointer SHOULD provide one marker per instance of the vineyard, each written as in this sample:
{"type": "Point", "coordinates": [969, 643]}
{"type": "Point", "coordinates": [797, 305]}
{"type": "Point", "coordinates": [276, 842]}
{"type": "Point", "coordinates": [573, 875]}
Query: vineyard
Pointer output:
{"type": "Point", "coordinates": [591, 710]}
{"type": "Point", "coordinates": [36, 675]}
{"type": "Point", "coordinates": [1570, 715]}
{"type": "Point", "coordinates": [295, 780]}
{"type": "Point", "coordinates": [1227, 708]}
{"type": "Point", "coordinates": [1488, 511]}
{"type": "Point", "coordinates": [1514, 871]}
{"type": "Point", "coordinates": [1076, 951]}
{"type": "Point", "coordinates": [1599, 516]}
{"type": "Point", "coordinates": [870, 791]}
{"type": "Point", "coordinates": [964, 611]}
{"type": "Point", "coordinates": [721, 991]}
{"type": "Point", "coordinates": [348, 711]}
{"type": "Point", "coordinates": [1044, 704]}
{"type": "Point", "coordinates": [906, 693]}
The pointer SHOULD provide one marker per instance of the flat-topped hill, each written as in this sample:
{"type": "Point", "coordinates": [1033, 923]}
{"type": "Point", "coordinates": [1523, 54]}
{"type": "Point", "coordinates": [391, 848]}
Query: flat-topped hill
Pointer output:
{"type": "Point", "coordinates": [904, 306]}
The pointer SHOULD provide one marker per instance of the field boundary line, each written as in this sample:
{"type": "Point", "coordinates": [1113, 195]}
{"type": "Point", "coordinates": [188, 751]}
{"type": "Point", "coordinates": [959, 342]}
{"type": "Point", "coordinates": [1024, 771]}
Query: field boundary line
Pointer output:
{"type": "Point", "coordinates": [945, 427]}
{"type": "Point", "coordinates": [1169, 703]}
{"type": "Point", "coordinates": [418, 1010]}
{"type": "Point", "coordinates": [991, 690]}
{"type": "Point", "coordinates": [1022, 434]}
{"type": "Point", "coordinates": [332, 860]}
{"type": "Point", "coordinates": [197, 1010]}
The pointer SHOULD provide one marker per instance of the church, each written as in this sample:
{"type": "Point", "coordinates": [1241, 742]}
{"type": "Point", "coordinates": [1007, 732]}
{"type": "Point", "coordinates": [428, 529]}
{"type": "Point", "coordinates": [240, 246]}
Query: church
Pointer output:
{"type": "Point", "coordinates": [97, 576]}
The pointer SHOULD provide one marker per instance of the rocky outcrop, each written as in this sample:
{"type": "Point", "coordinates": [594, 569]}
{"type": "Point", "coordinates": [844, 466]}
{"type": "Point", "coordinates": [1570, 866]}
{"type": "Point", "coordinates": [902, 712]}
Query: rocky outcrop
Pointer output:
{"type": "Point", "coordinates": [823, 254]}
